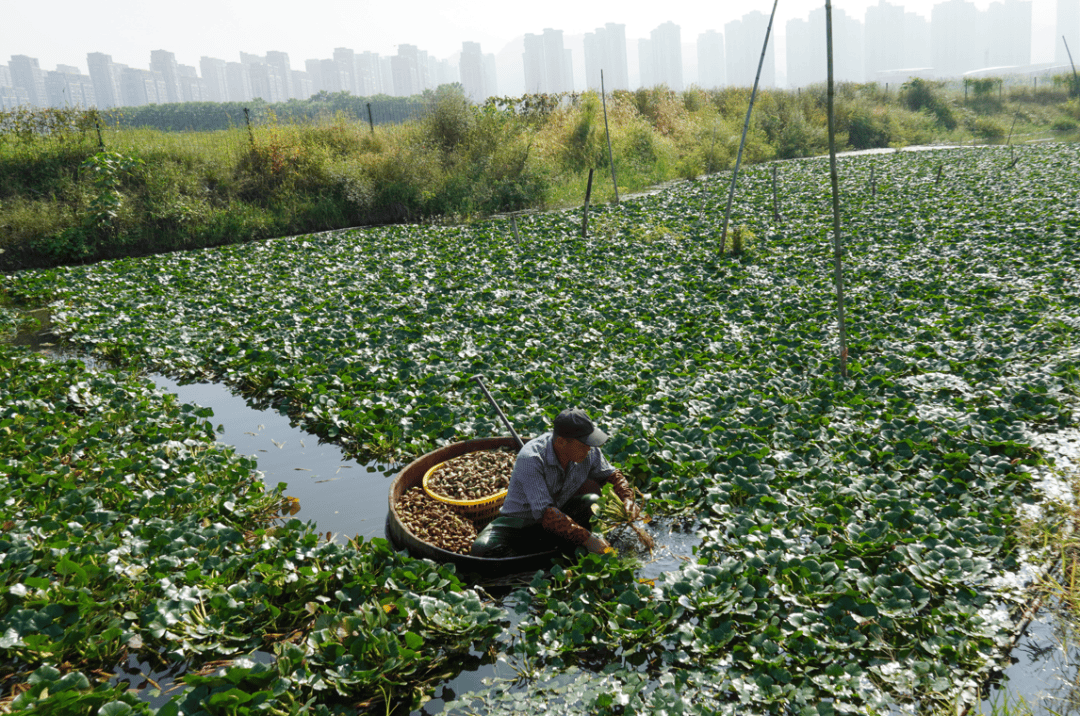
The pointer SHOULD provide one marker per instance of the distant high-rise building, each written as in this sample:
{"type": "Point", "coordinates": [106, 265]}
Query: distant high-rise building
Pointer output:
{"type": "Point", "coordinates": [386, 69]}
{"type": "Point", "coordinates": [26, 73]}
{"type": "Point", "coordinates": [280, 74]}
{"type": "Point", "coordinates": [314, 73]}
{"type": "Point", "coordinates": [744, 39]}
{"type": "Point", "coordinates": [213, 77]}
{"type": "Point", "coordinates": [547, 63]}
{"type": "Point", "coordinates": [605, 50]}
{"type": "Point", "coordinates": [5, 76]}
{"type": "Point", "coordinates": [368, 74]}
{"type": "Point", "coordinates": [105, 75]}
{"type": "Point", "coordinates": [345, 59]}
{"type": "Point", "coordinates": [957, 38]}
{"type": "Point", "coordinates": [165, 63]}
{"type": "Point", "coordinates": [1009, 33]}
{"type": "Point", "coordinates": [301, 85]}
{"type": "Point", "coordinates": [68, 87]}
{"type": "Point", "coordinates": [807, 61]}
{"type": "Point", "coordinates": [799, 55]}
{"type": "Point", "coordinates": [12, 97]}
{"type": "Point", "coordinates": [471, 66]}
{"type": "Point", "coordinates": [917, 51]}
{"type": "Point", "coordinates": [666, 45]}
{"type": "Point", "coordinates": [409, 71]}
{"type": "Point", "coordinates": [1068, 27]}
{"type": "Point", "coordinates": [594, 60]}
{"type": "Point", "coordinates": [238, 82]}
{"type": "Point", "coordinates": [261, 85]}
{"type": "Point", "coordinates": [142, 87]}
{"type": "Point", "coordinates": [333, 77]}
{"type": "Point", "coordinates": [268, 75]}
{"type": "Point", "coordinates": [710, 60]}
{"type": "Point", "coordinates": [443, 72]}
{"type": "Point", "coordinates": [192, 88]}
{"type": "Point", "coordinates": [491, 75]}
{"type": "Point", "coordinates": [646, 63]}
{"type": "Point", "coordinates": [884, 39]}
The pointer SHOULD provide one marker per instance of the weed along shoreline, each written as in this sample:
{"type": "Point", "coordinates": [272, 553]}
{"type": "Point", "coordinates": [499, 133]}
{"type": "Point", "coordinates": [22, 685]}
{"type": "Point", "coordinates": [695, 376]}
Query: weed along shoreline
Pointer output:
{"type": "Point", "coordinates": [858, 545]}
{"type": "Point", "coordinates": [82, 186]}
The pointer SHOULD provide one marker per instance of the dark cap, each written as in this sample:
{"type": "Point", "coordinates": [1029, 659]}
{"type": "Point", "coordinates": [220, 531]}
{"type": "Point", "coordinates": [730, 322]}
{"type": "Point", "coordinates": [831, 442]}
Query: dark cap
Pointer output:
{"type": "Point", "coordinates": [574, 423]}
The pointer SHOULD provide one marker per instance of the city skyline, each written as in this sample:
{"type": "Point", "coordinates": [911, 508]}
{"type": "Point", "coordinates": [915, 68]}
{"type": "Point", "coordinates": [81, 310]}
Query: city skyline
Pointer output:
{"type": "Point", "coordinates": [64, 33]}
{"type": "Point", "coordinates": [891, 43]}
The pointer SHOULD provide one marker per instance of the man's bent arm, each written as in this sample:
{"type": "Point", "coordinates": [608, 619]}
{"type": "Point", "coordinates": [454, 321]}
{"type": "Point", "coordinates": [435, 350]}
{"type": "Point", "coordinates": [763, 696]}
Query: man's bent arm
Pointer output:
{"type": "Point", "coordinates": [620, 486]}
{"type": "Point", "coordinates": [559, 523]}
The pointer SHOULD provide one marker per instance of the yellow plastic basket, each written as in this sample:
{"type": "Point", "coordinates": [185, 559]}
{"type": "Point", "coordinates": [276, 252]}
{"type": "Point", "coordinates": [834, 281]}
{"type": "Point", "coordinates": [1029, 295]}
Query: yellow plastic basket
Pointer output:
{"type": "Point", "coordinates": [481, 511]}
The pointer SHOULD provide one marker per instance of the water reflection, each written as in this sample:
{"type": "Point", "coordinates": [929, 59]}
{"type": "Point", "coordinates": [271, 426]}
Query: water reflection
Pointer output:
{"type": "Point", "coordinates": [343, 497]}
{"type": "Point", "coordinates": [1044, 671]}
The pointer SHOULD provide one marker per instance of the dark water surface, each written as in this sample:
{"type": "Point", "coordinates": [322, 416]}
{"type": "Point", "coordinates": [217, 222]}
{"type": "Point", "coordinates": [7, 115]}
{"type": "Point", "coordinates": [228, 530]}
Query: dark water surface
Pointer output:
{"type": "Point", "coordinates": [343, 497]}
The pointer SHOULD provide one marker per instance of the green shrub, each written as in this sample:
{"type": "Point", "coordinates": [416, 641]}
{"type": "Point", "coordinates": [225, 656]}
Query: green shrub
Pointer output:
{"type": "Point", "coordinates": [921, 95]}
{"type": "Point", "coordinates": [449, 116]}
{"type": "Point", "coordinates": [1064, 124]}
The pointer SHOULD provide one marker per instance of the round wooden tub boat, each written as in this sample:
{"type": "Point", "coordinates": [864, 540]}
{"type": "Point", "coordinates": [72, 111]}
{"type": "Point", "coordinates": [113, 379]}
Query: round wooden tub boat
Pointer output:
{"type": "Point", "coordinates": [402, 538]}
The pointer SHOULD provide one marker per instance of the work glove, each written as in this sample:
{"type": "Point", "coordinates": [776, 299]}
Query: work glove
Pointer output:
{"type": "Point", "coordinates": [597, 544]}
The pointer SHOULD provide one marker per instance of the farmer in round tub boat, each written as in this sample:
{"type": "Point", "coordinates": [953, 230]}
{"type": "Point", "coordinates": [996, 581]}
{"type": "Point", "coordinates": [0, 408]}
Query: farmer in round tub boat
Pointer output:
{"type": "Point", "coordinates": [557, 479]}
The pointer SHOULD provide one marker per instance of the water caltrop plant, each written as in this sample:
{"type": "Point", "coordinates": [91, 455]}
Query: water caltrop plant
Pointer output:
{"type": "Point", "coordinates": [860, 539]}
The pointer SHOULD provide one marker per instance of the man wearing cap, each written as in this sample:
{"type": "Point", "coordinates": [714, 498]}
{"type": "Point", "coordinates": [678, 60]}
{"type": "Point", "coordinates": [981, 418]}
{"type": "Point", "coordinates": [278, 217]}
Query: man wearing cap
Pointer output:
{"type": "Point", "coordinates": [557, 479]}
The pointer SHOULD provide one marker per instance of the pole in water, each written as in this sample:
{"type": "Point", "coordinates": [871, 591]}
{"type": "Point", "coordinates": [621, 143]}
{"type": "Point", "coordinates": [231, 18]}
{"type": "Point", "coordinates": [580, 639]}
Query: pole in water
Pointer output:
{"type": "Point", "coordinates": [585, 213]}
{"type": "Point", "coordinates": [746, 127]}
{"type": "Point", "coordinates": [838, 248]}
{"type": "Point", "coordinates": [611, 160]}
{"type": "Point", "coordinates": [480, 382]}
{"type": "Point", "coordinates": [775, 202]}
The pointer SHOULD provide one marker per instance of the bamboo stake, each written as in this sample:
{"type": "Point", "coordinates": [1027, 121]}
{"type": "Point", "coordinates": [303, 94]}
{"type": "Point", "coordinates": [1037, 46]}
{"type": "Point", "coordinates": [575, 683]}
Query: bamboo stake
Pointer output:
{"type": "Point", "coordinates": [873, 184]}
{"type": "Point", "coordinates": [746, 127]}
{"type": "Point", "coordinates": [585, 213]}
{"type": "Point", "coordinates": [1076, 80]}
{"type": "Point", "coordinates": [775, 203]}
{"type": "Point", "coordinates": [370, 119]}
{"type": "Point", "coordinates": [513, 222]}
{"type": "Point", "coordinates": [611, 160]}
{"type": "Point", "coordinates": [712, 149]}
{"type": "Point", "coordinates": [838, 273]}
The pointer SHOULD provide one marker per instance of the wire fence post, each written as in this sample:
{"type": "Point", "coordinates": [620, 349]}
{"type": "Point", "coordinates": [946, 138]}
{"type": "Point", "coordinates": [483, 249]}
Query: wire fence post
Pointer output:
{"type": "Point", "coordinates": [611, 159]}
{"type": "Point", "coordinates": [251, 132]}
{"type": "Point", "coordinates": [370, 119]}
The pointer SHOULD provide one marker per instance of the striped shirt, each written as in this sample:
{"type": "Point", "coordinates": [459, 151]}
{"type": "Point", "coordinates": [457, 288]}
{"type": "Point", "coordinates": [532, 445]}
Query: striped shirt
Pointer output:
{"type": "Point", "coordinates": [539, 482]}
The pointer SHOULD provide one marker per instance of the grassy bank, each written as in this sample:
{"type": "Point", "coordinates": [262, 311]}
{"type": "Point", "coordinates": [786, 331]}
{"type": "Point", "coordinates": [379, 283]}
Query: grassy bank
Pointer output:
{"type": "Point", "coordinates": [78, 187]}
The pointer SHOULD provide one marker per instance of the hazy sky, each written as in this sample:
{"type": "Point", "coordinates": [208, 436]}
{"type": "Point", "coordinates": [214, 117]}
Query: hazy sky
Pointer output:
{"type": "Point", "coordinates": [63, 31]}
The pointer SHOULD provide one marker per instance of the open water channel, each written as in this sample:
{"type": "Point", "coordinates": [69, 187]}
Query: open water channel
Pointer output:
{"type": "Point", "coordinates": [344, 498]}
